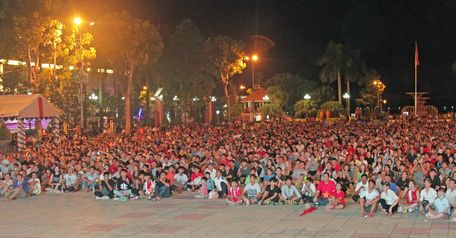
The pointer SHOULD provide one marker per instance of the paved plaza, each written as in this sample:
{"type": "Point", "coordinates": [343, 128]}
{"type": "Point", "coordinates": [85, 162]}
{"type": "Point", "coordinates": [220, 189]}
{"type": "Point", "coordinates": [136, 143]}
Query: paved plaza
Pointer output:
{"type": "Point", "coordinates": [80, 215]}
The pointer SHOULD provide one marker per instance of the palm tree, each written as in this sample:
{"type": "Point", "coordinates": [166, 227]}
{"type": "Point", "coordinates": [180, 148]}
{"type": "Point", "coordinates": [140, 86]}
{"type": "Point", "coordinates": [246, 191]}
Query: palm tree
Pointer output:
{"type": "Point", "coordinates": [339, 62]}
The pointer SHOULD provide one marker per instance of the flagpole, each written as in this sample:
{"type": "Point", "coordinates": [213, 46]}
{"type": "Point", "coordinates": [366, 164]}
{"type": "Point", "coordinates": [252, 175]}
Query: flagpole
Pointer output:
{"type": "Point", "coordinates": [416, 81]}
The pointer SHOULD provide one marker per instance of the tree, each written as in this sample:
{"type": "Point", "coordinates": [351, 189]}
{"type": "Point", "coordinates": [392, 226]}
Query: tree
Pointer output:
{"type": "Point", "coordinates": [334, 107]}
{"type": "Point", "coordinates": [340, 62]}
{"type": "Point", "coordinates": [294, 86]}
{"type": "Point", "coordinates": [227, 56]}
{"type": "Point", "coordinates": [127, 42]}
{"type": "Point", "coordinates": [271, 110]}
{"type": "Point", "coordinates": [277, 95]}
{"type": "Point", "coordinates": [368, 94]}
{"type": "Point", "coordinates": [185, 66]}
{"type": "Point", "coordinates": [305, 108]}
{"type": "Point", "coordinates": [322, 94]}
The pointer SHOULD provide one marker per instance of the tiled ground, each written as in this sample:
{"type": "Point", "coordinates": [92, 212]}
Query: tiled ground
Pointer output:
{"type": "Point", "coordinates": [80, 215]}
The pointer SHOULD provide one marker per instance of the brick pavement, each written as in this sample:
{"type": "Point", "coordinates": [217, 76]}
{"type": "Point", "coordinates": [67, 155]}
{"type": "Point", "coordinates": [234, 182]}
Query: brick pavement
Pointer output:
{"type": "Point", "coordinates": [80, 215]}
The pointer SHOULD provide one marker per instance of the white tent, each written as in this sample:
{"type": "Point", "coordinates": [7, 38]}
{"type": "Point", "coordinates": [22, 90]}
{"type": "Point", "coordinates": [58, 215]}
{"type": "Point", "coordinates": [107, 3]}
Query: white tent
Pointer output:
{"type": "Point", "coordinates": [27, 106]}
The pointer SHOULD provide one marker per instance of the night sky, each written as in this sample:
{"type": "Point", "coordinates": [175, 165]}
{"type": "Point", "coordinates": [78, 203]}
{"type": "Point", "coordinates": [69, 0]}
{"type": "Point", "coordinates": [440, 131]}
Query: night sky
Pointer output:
{"type": "Point", "coordinates": [383, 30]}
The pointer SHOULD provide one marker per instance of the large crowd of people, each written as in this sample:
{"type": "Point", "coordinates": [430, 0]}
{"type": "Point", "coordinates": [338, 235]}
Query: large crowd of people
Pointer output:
{"type": "Point", "coordinates": [396, 166]}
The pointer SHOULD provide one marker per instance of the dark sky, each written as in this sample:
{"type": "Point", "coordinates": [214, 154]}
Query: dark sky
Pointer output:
{"type": "Point", "coordinates": [383, 30]}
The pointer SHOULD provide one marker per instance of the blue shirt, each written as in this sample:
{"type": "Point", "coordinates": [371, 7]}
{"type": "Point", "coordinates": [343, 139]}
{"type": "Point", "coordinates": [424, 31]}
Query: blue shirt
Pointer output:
{"type": "Point", "coordinates": [23, 184]}
{"type": "Point", "coordinates": [442, 205]}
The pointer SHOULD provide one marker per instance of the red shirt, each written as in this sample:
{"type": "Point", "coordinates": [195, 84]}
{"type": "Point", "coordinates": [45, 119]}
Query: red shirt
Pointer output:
{"type": "Point", "coordinates": [339, 196]}
{"type": "Point", "coordinates": [234, 194]}
{"type": "Point", "coordinates": [327, 188]}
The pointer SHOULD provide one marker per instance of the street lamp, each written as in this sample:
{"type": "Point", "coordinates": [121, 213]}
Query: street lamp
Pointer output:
{"type": "Point", "coordinates": [253, 58]}
{"type": "Point", "coordinates": [266, 98]}
{"type": "Point", "coordinates": [307, 96]}
{"type": "Point", "coordinates": [77, 21]}
{"type": "Point", "coordinates": [242, 87]}
{"type": "Point", "coordinates": [346, 96]}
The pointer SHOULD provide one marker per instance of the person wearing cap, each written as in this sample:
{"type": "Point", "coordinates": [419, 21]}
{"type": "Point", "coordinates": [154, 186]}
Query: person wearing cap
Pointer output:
{"type": "Point", "coordinates": [388, 200]}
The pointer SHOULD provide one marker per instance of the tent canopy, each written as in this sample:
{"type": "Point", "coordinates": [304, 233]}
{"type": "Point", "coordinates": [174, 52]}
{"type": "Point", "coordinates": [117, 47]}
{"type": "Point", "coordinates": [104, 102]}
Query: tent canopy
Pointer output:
{"type": "Point", "coordinates": [27, 106]}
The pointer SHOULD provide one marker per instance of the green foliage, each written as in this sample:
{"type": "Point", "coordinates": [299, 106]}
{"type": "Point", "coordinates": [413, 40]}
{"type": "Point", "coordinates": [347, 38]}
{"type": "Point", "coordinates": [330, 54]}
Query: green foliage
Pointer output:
{"type": "Point", "coordinates": [277, 95]}
{"type": "Point", "coordinates": [293, 87]}
{"type": "Point", "coordinates": [368, 94]}
{"type": "Point", "coordinates": [184, 66]}
{"type": "Point", "coordinates": [335, 108]}
{"type": "Point", "coordinates": [305, 108]}
{"type": "Point", "coordinates": [126, 43]}
{"type": "Point", "coordinates": [227, 56]}
{"type": "Point", "coordinates": [272, 110]}
{"type": "Point", "coordinates": [323, 94]}
{"type": "Point", "coordinates": [340, 62]}
{"type": "Point", "coordinates": [4, 132]}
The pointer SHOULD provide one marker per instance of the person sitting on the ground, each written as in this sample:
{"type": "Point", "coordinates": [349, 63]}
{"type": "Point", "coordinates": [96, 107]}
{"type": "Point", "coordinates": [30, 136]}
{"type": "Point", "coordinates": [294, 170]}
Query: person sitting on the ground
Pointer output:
{"type": "Point", "coordinates": [5, 183]}
{"type": "Point", "coordinates": [337, 199]}
{"type": "Point", "coordinates": [369, 199]}
{"type": "Point", "coordinates": [149, 186]}
{"type": "Point", "coordinates": [427, 196]}
{"type": "Point", "coordinates": [388, 200]}
{"type": "Point", "coordinates": [271, 194]}
{"type": "Point", "coordinates": [180, 180]}
{"type": "Point", "coordinates": [308, 190]}
{"type": "Point", "coordinates": [402, 185]}
{"type": "Point", "coordinates": [162, 188]}
{"type": "Point", "coordinates": [234, 194]}
{"type": "Point", "coordinates": [290, 193]}
{"type": "Point", "coordinates": [34, 185]}
{"type": "Point", "coordinates": [252, 191]}
{"type": "Point", "coordinates": [123, 187]}
{"type": "Point", "coordinates": [89, 179]}
{"type": "Point", "coordinates": [325, 188]}
{"type": "Point", "coordinates": [19, 189]}
{"type": "Point", "coordinates": [106, 188]}
{"type": "Point", "coordinates": [412, 197]}
{"type": "Point", "coordinates": [56, 180]}
{"type": "Point", "coordinates": [70, 180]}
{"type": "Point", "coordinates": [360, 187]}
{"type": "Point", "coordinates": [441, 207]}
{"type": "Point", "coordinates": [221, 184]}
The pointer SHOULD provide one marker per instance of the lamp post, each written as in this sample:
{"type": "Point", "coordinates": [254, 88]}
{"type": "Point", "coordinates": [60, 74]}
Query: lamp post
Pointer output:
{"type": "Point", "coordinates": [77, 22]}
{"type": "Point", "coordinates": [346, 96]}
{"type": "Point", "coordinates": [253, 58]}
{"type": "Point", "coordinates": [380, 88]}
{"type": "Point", "coordinates": [307, 96]}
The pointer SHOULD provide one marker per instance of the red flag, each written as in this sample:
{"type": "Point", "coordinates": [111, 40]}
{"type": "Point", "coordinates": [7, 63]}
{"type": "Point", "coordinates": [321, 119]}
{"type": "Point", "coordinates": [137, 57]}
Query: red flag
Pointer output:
{"type": "Point", "coordinates": [417, 60]}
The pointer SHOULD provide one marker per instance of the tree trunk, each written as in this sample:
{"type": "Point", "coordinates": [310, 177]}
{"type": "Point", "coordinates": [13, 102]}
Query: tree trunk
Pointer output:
{"type": "Point", "coordinates": [29, 65]}
{"type": "Point", "coordinates": [348, 100]}
{"type": "Point", "coordinates": [339, 87]}
{"type": "Point", "coordinates": [228, 104]}
{"type": "Point", "coordinates": [128, 99]}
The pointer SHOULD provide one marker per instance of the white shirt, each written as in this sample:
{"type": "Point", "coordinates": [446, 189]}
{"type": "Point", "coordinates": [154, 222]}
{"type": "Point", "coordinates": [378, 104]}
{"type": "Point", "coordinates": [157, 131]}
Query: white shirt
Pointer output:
{"type": "Point", "coordinates": [180, 179]}
{"type": "Point", "coordinates": [218, 182]}
{"type": "Point", "coordinates": [369, 195]}
{"type": "Point", "coordinates": [451, 195]}
{"type": "Point", "coordinates": [252, 190]}
{"type": "Point", "coordinates": [428, 195]}
{"type": "Point", "coordinates": [364, 187]}
{"type": "Point", "coordinates": [389, 196]}
{"type": "Point", "coordinates": [310, 187]}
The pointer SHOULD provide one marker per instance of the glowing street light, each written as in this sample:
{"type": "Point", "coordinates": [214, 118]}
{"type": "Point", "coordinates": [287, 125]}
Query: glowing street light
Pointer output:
{"type": "Point", "coordinates": [77, 21]}
{"type": "Point", "coordinates": [266, 98]}
{"type": "Point", "coordinates": [242, 87]}
{"type": "Point", "coordinates": [213, 99]}
{"type": "Point", "coordinates": [93, 97]}
{"type": "Point", "coordinates": [307, 96]}
{"type": "Point", "coordinates": [346, 96]}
